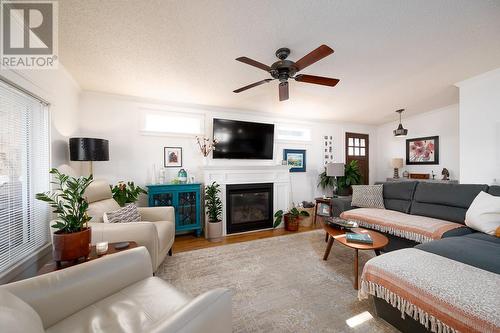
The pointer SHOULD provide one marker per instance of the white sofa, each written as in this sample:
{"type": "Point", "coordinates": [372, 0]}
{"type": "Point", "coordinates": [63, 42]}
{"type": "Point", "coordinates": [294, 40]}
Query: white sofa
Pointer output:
{"type": "Point", "coordinates": [156, 231]}
{"type": "Point", "coordinates": [115, 293]}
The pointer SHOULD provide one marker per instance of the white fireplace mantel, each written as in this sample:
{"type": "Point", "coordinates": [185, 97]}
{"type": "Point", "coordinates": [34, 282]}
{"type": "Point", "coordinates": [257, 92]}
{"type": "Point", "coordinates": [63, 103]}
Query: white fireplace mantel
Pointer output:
{"type": "Point", "coordinates": [279, 175]}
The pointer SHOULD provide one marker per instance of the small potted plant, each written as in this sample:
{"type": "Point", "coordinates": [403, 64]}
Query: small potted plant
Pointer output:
{"type": "Point", "coordinates": [72, 237]}
{"type": "Point", "coordinates": [292, 218]}
{"type": "Point", "coordinates": [126, 193]}
{"type": "Point", "coordinates": [213, 205]}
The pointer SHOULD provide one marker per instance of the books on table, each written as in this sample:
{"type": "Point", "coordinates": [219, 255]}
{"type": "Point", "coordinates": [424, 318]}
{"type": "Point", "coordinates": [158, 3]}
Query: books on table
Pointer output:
{"type": "Point", "coordinates": [359, 238]}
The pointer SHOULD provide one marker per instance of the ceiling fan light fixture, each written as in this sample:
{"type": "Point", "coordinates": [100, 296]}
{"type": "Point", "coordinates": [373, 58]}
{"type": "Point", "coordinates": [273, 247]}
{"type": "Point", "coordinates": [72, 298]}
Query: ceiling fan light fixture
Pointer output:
{"type": "Point", "coordinates": [400, 131]}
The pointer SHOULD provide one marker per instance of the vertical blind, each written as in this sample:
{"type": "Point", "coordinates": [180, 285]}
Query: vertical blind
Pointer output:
{"type": "Point", "coordinates": [24, 166]}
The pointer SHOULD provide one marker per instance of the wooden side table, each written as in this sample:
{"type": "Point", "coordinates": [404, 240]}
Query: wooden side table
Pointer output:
{"type": "Point", "coordinates": [321, 201]}
{"type": "Point", "coordinates": [52, 266]}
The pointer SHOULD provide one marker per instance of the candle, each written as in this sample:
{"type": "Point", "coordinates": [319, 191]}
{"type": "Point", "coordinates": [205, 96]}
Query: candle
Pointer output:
{"type": "Point", "coordinates": [101, 248]}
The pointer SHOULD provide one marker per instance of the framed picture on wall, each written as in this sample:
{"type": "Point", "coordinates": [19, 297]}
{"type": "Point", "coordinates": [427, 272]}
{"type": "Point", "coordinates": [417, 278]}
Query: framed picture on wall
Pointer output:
{"type": "Point", "coordinates": [295, 159]}
{"type": "Point", "coordinates": [172, 157]}
{"type": "Point", "coordinates": [422, 151]}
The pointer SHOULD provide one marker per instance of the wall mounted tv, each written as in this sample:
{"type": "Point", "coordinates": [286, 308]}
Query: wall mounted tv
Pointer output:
{"type": "Point", "coordinates": [243, 140]}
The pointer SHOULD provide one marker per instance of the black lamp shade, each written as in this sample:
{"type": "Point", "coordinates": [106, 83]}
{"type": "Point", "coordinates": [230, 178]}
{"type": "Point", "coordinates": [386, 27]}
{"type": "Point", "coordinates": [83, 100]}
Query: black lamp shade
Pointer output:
{"type": "Point", "coordinates": [88, 149]}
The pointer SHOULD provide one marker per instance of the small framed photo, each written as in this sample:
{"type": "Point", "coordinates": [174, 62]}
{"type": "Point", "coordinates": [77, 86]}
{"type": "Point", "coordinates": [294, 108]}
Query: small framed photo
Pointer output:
{"type": "Point", "coordinates": [422, 150]}
{"type": "Point", "coordinates": [172, 157]}
{"type": "Point", "coordinates": [295, 159]}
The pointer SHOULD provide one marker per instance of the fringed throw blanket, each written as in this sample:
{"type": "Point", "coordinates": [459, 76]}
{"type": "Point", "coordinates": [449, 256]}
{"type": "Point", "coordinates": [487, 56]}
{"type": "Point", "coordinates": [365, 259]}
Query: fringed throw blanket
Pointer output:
{"type": "Point", "coordinates": [420, 229]}
{"type": "Point", "coordinates": [444, 295]}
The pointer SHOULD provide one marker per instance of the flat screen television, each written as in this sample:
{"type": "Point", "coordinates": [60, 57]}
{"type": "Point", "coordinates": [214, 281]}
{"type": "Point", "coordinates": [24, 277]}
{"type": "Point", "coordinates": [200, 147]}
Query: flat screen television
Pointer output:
{"type": "Point", "coordinates": [243, 140]}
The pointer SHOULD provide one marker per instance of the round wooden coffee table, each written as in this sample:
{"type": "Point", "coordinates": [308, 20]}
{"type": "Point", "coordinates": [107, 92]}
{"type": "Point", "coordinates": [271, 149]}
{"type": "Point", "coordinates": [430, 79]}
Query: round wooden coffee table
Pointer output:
{"type": "Point", "coordinates": [334, 234]}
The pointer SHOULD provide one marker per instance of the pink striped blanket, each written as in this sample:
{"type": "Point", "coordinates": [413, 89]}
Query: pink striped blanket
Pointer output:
{"type": "Point", "coordinates": [444, 295]}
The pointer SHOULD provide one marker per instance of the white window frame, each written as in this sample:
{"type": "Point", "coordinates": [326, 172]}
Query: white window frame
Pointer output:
{"type": "Point", "coordinates": [306, 130]}
{"type": "Point", "coordinates": [174, 113]}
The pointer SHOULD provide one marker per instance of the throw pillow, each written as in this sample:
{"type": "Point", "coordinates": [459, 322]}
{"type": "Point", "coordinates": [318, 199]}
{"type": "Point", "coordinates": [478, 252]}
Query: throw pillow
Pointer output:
{"type": "Point", "coordinates": [368, 196]}
{"type": "Point", "coordinates": [484, 213]}
{"type": "Point", "coordinates": [126, 214]}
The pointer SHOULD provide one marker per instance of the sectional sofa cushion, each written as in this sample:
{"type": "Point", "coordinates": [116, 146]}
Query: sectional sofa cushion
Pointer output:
{"type": "Point", "coordinates": [444, 201]}
{"type": "Point", "coordinates": [416, 228]}
{"type": "Point", "coordinates": [470, 250]}
{"type": "Point", "coordinates": [398, 195]}
{"type": "Point", "coordinates": [494, 190]}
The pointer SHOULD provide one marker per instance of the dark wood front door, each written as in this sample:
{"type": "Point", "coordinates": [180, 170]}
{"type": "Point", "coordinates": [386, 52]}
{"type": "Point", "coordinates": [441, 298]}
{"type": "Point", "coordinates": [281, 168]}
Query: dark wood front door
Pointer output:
{"type": "Point", "coordinates": [356, 148]}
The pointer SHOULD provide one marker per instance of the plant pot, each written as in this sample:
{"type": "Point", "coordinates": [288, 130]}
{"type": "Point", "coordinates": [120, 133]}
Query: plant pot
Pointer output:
{"type": "Point", "coordinates": [344, 192]}
{"type": "Point", "coordinates": [214, 231]}
{"type": "Point", "coordinates": [291, 224]}
{"type": "Point", "coordinates": [73, 246]}
{"type": "Point", "coordinates": [306, 221]}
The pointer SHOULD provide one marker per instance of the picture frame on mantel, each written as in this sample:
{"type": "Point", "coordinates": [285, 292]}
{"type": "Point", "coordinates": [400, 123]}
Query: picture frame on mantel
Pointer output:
{"type": "Point", "coordinates": [172, 157]}
{"type": "Point", "coordinates": [422, 151]}
{"type": "Point", "coordinates": [295, 159]}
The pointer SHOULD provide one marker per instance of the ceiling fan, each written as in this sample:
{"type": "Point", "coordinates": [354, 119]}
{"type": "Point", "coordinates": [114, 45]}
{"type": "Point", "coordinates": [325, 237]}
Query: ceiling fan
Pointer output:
{"type": "Point", "coordinates": [284, 69]}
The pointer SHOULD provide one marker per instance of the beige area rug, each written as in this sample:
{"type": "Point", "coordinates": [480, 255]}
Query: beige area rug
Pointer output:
{"type": "Point", "coordinates": [278, 284]}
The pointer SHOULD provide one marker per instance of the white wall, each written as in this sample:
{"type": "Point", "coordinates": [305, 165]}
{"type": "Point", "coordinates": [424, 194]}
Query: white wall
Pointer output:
{"type": "Point", "coordinates": [443, 122]}
{"type": "Point", "coordinates": [480, 128]}
{"type": "Point", "coordinates": [132, 155]}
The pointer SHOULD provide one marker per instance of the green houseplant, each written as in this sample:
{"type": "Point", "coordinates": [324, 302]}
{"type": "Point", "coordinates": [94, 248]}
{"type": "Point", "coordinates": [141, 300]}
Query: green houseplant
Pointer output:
{"type": "Point", "coordinates": [291, 217]}
{"type": "Point", "coordinates": [352, 176]}
{"type": "Point", "coordinates": [126, 193]}
{"type": "Point", "coordinates": [213, 205]}
{"type": "Point", "coordinates": [72, 237]}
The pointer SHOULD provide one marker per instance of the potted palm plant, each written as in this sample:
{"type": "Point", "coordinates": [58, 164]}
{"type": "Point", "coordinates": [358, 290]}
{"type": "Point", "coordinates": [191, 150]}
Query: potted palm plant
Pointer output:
{"type": "Point", "coordinates": [291, 217]}
{"type": "Point", "coordinates": [213, 205]}
{"type": "Point", "coordinates": [352, 176]}
{"type": "Point", "coordinates": [72, 237]}
{"type": "Point", "coordinates": [125, 193]}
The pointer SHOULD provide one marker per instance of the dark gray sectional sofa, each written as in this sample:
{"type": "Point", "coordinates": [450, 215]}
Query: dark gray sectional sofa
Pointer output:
{"type": "Point", "coordinates": [445, 202]}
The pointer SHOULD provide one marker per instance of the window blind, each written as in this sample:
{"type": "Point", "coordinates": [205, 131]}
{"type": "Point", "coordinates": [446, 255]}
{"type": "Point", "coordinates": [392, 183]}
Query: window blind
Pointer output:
{"type": "Point", "coordinates": [24, 166]}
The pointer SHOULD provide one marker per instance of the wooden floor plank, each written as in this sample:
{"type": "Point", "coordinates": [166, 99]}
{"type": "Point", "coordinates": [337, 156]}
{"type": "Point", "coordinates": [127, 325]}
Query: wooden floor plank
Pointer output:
{"type": "Point", "coordinates": [190, 242]}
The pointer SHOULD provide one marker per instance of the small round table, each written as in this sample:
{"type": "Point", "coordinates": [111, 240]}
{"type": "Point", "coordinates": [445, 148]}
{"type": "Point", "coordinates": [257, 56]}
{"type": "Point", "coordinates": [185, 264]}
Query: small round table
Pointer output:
{"type": "Point", "coordinates": [334, 234]}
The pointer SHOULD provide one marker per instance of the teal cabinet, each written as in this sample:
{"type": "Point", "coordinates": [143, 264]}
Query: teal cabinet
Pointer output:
{"type": "Point", "coordinates": [186, 200]}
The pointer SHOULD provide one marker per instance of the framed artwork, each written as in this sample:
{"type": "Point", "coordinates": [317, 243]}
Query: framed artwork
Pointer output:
{"type": "Point", "coordinates": [296, 159]}
{"type": "Point", "coordinates": [422, 151]}
{"type": "Point", "coordinates": [172, 157]}
{"type": "Point", "coordinates": [327, 149]}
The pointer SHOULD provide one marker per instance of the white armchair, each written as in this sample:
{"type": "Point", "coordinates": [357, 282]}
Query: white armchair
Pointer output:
{"type": "Point", "coordinates": [116, 293]}
{"type": "Point", "coordinates": [156, 231]}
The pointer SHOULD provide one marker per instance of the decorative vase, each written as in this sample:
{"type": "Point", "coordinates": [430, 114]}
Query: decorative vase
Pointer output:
{"type": "Point", "coordinates": [214, 231]}
{"type": "Point", "coordinates": [182, 176]}
{"type": "Point", "coordinates": [204, 160]}
{"type": "Point", "coordinates": [291, 224]}
{"type": "Point", "coordinates": [73, 246]}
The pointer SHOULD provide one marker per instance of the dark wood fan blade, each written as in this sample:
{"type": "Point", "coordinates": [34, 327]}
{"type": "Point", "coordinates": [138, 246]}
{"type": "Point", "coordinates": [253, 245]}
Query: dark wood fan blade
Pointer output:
{"type": "Point", "coordinates": [252, 85]}
{"type": "Point", "coordinates": [254, 63]}
{"type": "Point", "coordinates": [283, 91]}
{"type": "Point", "coordinates": [313, 56]}
{"type": "Point", "coordinates": [324, 81]}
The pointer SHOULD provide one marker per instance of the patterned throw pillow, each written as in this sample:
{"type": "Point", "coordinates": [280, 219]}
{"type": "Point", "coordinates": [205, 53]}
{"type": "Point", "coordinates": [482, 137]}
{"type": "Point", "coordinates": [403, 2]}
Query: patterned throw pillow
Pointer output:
{"type": "Point", "coordinates": [129, 213]}
{"type": "Point", "coordinates": [368, 196]}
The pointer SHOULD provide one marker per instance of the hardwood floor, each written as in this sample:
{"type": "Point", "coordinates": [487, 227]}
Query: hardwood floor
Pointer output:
{"type": "Point", "coordinates": [190, 242]}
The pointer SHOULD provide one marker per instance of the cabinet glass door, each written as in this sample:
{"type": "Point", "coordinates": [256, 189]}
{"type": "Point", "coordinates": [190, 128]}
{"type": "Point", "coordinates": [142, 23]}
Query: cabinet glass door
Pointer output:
{"type": "Point", "coordinates": [187, 211]}
{"type": "Point", "coordinates": [162, 199]}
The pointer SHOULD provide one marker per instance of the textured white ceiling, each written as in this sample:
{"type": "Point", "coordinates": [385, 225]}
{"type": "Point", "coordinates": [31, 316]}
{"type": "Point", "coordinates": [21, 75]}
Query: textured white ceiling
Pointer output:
{"type": "Point", "coordinates": [388, 54]}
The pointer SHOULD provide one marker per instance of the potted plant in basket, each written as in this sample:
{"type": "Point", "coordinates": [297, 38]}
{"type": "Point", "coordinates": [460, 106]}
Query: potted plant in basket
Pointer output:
{"type": "Point", "coordinates": [292, 218]}
{"type": "Point", "coordinates": [213, 206]}
{"type": "Point", "coordinates": [126, 193]}
{"type": "Point", "coordinates": [72, 237]}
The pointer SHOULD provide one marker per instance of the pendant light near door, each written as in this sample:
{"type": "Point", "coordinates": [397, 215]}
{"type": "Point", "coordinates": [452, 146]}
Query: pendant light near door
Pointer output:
{"type": "Point", "coordinates": [400, 131]}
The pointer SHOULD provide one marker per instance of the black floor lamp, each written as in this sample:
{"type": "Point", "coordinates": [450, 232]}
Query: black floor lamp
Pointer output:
{"type": "Point", "coordinates": [88, 149]}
